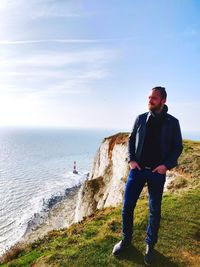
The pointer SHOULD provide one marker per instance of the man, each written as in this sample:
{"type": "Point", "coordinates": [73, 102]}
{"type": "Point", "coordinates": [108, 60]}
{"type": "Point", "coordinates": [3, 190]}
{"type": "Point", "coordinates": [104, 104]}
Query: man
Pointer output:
{"type": "Point", "coordinates": [154, 146]}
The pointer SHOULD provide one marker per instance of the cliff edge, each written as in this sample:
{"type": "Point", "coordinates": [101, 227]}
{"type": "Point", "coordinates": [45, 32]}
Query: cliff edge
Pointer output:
{"type": "Point", "coordinates": [106, 182]}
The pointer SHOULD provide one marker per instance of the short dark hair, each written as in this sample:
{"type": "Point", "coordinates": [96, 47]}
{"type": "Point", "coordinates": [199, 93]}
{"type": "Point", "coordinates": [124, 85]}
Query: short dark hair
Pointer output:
{"type": "Point", "coordinates": [162, 91]}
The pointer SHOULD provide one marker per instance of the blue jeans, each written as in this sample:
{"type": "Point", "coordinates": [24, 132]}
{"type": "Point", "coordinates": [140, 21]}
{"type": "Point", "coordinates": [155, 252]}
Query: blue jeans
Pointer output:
{"type": "Point", "coordinates": [135, 183]}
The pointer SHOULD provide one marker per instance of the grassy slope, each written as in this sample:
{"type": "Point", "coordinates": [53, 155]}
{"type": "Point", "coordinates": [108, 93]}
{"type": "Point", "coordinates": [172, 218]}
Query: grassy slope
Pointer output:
{"type": "Point", "coordinates": [90, 242]}
{"type": "Point", "coordinates": [189, 161]}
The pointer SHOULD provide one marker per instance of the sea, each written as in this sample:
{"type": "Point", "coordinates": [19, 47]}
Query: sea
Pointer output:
{"type": "Point", "coordinates": [36, 172]}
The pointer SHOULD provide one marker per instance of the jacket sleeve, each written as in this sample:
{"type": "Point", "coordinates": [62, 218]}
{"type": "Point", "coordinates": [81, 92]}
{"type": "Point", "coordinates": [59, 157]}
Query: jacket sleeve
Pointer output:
{"type": "Point", "coordinates": [131, 141]}
{"type": "Point", "coordinates": [177, 147]}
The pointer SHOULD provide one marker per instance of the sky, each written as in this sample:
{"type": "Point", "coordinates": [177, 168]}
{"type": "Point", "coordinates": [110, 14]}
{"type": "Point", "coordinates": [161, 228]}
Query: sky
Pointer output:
{"type": "Point", "coordinates": [92, 63]}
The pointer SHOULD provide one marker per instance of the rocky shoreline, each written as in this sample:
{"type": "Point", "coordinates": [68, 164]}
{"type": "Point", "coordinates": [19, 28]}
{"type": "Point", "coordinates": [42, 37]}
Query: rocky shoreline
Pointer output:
{"type": "Point", "coordinates": [60, 216]}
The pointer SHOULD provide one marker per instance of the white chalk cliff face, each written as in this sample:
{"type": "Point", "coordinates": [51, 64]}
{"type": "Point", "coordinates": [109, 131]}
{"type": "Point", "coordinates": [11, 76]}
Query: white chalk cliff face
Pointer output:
{"type": "Point", "coordinates": [106, 182]}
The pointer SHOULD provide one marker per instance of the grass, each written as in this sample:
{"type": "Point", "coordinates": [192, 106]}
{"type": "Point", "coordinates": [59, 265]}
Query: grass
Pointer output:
{"type": "Point", "coordinates": [90, 242]}
{"type": "Point", "coordinates": [189, 161]}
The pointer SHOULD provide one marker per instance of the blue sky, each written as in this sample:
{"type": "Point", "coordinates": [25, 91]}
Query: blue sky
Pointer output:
{"type": "Point", "coordinates": [91, 64]}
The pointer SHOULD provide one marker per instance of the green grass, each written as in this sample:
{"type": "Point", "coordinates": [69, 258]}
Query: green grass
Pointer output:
{"type": "Point", "coordinates": [189, 161]}
{"type": "Point", "coordinates": [90, 242]}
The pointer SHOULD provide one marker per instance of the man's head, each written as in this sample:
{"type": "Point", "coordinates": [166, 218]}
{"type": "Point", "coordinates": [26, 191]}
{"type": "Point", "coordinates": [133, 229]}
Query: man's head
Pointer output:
{"type": "Point", "coordinates": [157, 99]}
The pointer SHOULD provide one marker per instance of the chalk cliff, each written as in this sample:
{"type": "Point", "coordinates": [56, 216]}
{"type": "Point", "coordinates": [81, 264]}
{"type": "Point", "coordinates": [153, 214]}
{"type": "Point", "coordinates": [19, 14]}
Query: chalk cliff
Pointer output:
{"type": "Point", "coordinates": [105, 184]}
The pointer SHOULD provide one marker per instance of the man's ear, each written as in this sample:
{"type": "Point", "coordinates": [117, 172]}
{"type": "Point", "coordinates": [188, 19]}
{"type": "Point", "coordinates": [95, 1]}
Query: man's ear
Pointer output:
{"type": "Point", "coordinates": [163, 101]}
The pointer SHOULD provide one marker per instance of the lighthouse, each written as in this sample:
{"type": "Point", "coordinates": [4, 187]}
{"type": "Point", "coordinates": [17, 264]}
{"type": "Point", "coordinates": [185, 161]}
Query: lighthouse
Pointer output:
{"type": "Point", "coordinates": [74, 170]}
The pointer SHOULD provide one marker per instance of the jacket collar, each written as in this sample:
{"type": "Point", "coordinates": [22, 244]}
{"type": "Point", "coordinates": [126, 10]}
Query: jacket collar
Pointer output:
{"type": "Point", "coordinates": [161, 115]}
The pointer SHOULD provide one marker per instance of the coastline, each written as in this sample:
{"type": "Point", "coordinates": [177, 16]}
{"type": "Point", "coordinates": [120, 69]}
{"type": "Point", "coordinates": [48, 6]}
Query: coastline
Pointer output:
{"type": "Point", "coordinates": [60, 216]}
{"type": "Point", "coordinates": [59, 213]}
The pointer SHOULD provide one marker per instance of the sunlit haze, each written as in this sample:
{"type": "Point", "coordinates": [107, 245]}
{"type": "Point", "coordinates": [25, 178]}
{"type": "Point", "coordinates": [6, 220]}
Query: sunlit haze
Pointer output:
{"type": "Point", "coordinates": [91, 63]}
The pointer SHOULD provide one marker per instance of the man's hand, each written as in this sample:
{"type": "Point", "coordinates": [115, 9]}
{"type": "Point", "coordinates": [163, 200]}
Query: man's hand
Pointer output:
{"type": "Point", "coordinates": [162, 169]}
{"type": "Point", "coordinates": [134, 165]}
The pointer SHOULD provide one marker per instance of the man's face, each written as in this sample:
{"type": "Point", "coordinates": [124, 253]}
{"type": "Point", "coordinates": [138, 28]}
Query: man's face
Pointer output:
{"type": "Point", "coordinates": [155, 102]}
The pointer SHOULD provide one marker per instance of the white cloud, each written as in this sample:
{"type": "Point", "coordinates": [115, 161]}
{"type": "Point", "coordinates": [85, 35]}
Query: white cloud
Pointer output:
{"type": "Point", "coordinates": [54, 74]}
{"type": "Point", "coordinates": [60, 59]}
{"type": "Point", "coordinates": [93, 74]}
{"type": "Point", "coordinates": [35, 9]}
{"type": "Point", "coordinates": [20, 17]}
{"type": "Point", "coordinates": [52, 8]}
{"type": "Point", "coordinates": [31, 73]}
{"type": "Point", "coordinates": [70, 41]}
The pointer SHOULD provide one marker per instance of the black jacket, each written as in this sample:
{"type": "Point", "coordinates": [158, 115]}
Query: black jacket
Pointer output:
{"type": "Point", "coordinates": [170, 144]}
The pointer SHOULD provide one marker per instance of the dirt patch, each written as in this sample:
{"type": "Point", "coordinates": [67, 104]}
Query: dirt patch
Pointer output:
{"type": "Point", "coordinates": [191, 259]}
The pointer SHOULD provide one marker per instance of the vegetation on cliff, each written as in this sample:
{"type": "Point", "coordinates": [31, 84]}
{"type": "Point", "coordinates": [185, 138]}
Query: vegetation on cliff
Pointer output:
{"type": "Point", "coordinates": [90, 242]}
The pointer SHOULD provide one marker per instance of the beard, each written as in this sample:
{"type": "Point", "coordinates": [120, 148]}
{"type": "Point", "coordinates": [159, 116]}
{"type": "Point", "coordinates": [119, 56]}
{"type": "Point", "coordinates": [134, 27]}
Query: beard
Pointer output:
{"type": "Point", "coordinates": [155, 108]}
